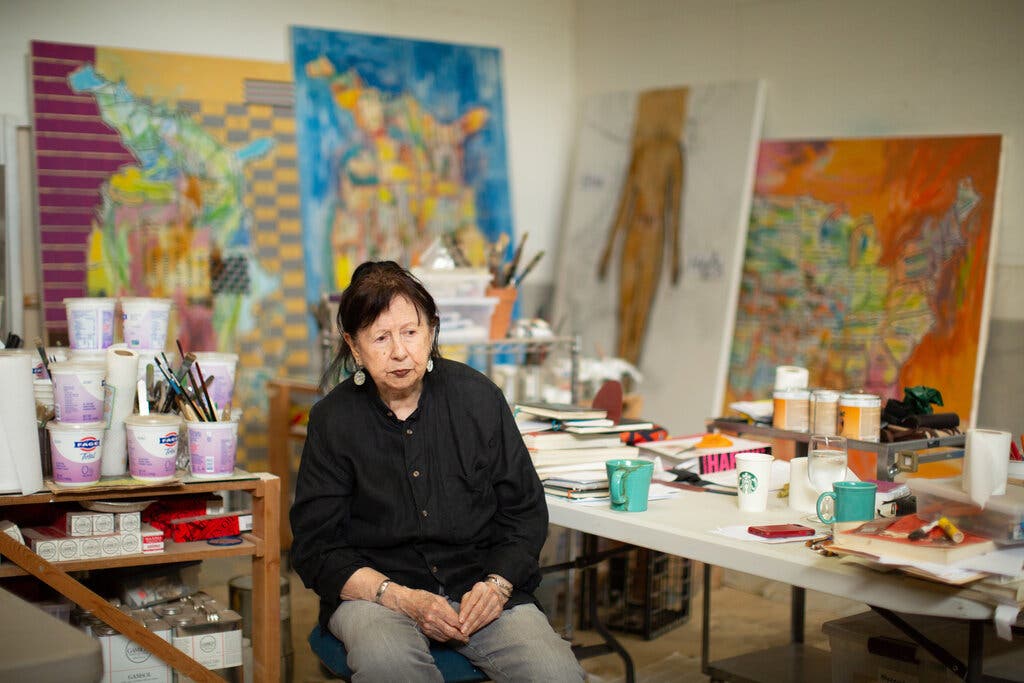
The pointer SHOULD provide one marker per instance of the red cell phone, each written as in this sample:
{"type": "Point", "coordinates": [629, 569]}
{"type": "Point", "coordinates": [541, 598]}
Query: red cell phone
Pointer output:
{"type": "Point", "coordinates": [781, 530]}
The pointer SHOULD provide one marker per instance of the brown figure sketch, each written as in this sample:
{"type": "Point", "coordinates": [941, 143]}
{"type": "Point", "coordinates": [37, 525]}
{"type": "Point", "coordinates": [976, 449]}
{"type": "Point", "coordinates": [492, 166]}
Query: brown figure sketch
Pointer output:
{"type": "Point", "coordinates": [648, 213]}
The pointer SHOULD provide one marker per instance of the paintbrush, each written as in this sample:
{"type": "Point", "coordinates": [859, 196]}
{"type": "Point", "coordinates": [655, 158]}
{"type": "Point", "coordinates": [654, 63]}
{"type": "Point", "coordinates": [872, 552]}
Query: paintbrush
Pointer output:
{"type": "Point", "coordinates": [197, 394]}
{"type": "Point", "coordinates": [203, 383]}
{"type": "Point", "coordinates": [42, 354]}
{"type": "Point", "coordinates": [510, 269]}
{"type": "Point", "coordinates": [178, 390]}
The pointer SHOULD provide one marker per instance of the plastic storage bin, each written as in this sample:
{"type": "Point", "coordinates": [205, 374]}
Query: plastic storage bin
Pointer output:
{"type": "Point", "coordinates": [465, 320]}
{"type": "Point", "coordinates": [1002, 519]}
{"type": "Point", "coordinates": [865, 647]}
{"type": "Point", "coordinates": [456, 283]}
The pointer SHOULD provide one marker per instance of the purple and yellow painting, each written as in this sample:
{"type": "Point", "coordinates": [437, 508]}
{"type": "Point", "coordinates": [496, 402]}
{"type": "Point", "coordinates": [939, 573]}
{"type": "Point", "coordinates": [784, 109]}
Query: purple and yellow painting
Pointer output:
{"type": "Point", "coordinates": [400, 141]}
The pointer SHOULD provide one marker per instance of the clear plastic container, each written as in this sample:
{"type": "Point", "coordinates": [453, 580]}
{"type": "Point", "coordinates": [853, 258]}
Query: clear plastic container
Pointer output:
{"type": "Point", "coordinates": [457, 282]}
{"type": "Point", "coordinates": [1002, 518]}
{"type": "Point", "coordinates": [465, 320]}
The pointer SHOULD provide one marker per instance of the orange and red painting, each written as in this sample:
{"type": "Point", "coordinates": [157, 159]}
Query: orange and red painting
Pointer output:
{"type": "Point", "coordinates": [867, 262]}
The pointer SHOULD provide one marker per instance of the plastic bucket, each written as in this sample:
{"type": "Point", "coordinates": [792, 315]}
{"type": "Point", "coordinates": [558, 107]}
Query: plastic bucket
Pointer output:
{"type": "Point", "coordinates": [149, 356]}
{"type": "Point", "coordinates": [152, 446]}
{"type": "Point", "coordinates": [222, 367]}
{"type": "Point", "coordinates": [90, 322]}
{"type": "Point", "coordinates": [78, 391]}
{"type": "Point", "coordinates": [75, 452]}
{"type": "Point", "coordinates": [144, 322]}
{"type": "Point", "coordinates": [212, 447]}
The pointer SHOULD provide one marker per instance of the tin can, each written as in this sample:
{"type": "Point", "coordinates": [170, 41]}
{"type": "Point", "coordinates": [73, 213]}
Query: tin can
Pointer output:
{"type": "Point", "coordinates": [790, 409]}
{"type": "Point", "coordinates": [824, 411]}
{"type": "Point", "coordinates": [860, 416]}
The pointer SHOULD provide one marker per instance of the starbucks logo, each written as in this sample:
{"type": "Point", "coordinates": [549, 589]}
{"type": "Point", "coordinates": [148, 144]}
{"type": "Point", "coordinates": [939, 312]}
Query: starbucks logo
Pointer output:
{"type": "Point", "coordinates": [748, 482]}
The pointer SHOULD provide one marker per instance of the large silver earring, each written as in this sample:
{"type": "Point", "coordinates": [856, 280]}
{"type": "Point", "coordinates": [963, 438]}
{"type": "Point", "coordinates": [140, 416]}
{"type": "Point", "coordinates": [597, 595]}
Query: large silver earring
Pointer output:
{"type": "Point", "coordinates": [359, 377]}
{"type": "Point", "coordinates": [430, 364]}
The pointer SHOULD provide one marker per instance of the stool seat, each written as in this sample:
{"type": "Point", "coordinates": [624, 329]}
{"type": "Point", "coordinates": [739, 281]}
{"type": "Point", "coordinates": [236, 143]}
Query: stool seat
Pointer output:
{"type": "Point", "coordinates": [332, 653]}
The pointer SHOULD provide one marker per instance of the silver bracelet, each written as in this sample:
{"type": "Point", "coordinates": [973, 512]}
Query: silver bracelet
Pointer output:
{"type": "Point", "coordinates": [380, 590]}
{"type": "Point", "coordinates": [504, 587]}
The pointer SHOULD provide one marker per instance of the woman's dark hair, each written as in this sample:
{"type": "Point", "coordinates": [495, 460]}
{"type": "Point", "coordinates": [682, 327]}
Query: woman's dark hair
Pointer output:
{"type": "Point", "coordinates": [374, 285]}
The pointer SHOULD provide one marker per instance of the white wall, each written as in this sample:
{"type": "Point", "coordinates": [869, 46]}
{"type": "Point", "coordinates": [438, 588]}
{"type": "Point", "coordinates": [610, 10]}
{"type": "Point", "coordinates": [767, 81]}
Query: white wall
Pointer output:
{"type": "Point", "coordinates": [850, 68]}
{"type": "Point", "coordinates": [841, 68]}
{"type": "Point", "coordinates": [535, 36]}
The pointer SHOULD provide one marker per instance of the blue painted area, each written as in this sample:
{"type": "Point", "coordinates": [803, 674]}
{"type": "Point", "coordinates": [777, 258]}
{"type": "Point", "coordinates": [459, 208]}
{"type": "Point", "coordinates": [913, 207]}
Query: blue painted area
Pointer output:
{"type": "Point", "coordinates": [446, 79]}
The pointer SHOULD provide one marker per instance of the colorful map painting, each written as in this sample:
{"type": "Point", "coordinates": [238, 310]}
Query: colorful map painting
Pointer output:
{"type": "Point", "coordinates": [400, 141]}
{"type": "Point", "coordinates": [175, 176]}
{"type": "Point", "coordinates": [867, 262]}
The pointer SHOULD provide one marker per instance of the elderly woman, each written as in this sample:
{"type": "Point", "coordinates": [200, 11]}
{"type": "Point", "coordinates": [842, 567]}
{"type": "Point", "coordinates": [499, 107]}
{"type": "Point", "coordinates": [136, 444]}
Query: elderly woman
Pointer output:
{"type": "Point", "coordinates": [418, 515]}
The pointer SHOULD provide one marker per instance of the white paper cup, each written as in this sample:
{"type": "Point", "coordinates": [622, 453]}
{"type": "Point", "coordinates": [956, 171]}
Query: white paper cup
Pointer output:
{"type": "Point", "coordinates": [78, 391]}
{"type": "Point", "coordinates": [753, 480]}
{"type": "Point", "coordinates": [90, 322]}
{"type": "Point", "coordinates": [75, 452]}
{"type": "Point", "coordinates": [144, 322]}
{"type": "Point", "coordinates": [152, 446]}
{"type": "Point", "coordinates": [212, 447]}
{"type": "Point", "coordinates": [222, 367]}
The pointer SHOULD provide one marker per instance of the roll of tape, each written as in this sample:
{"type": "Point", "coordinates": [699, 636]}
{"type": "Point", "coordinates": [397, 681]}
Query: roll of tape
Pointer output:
{"type": "Point", "coordinates": [791, 377]}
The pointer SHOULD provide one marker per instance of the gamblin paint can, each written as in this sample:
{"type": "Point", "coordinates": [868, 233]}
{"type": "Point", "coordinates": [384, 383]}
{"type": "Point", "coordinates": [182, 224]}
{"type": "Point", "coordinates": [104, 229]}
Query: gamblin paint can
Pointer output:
{"type": "Point", "coordinates": [240, 600]}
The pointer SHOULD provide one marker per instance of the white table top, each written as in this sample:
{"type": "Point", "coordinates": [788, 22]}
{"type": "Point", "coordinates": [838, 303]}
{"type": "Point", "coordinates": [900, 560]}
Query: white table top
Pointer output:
{"type": "Point", "coordinates": [680, 526]}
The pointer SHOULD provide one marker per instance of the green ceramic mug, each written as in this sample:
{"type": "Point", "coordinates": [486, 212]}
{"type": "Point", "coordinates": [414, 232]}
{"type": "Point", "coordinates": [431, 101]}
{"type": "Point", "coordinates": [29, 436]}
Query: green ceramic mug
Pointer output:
{"type": "Point", "coordinates": [848, 501]}
{"type": "Point", "coordinates": [629, 482]}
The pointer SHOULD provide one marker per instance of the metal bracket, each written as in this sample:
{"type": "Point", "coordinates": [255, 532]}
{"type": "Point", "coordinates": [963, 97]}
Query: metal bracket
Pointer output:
{"type": "Point", "coordinates": [906, 461]}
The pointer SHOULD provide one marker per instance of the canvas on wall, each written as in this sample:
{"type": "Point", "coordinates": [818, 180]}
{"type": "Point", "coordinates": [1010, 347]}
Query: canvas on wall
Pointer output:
{"type": "Point", "coordinates": [650, 255]}
{"type": "Point", "coordinates": [867, 261]}
{"type": "Point", "coordinates": [174, 176]}
{"type": "Point", "coordinates": [400, 141]}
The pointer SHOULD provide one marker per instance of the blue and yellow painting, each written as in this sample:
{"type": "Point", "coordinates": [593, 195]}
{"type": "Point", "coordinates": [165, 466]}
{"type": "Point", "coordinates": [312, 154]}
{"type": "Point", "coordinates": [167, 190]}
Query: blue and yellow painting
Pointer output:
{"type": "Point", "coordinates": [400, 141]}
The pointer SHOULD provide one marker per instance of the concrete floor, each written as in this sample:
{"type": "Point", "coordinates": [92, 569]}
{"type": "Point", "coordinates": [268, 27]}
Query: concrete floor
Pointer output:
{"type": "Point", "coordinates": [748, 615]}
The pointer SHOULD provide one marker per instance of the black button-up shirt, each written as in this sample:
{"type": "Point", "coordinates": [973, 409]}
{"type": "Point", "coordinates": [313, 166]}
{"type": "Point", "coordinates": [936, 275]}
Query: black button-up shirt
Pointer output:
{"type": "Point", "coordinates": [437, 501]}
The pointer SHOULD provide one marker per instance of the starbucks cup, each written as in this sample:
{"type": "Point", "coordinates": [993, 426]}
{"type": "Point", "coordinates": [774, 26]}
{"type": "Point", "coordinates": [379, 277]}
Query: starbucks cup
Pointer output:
{"type": "Point", "coordinates": [75, 452]}
{"type": "Point", "coordinates": [212, 447]}
{"type": "Point", "coordinates": [78, 389]}
{"type": "Point", "coordinates": [144, 322]}
{"type": "Point", "coordinates": [152, 446]}
{"type": "Point", "coordinates": [90, 322]}
{"type": "Point", "coordinates": [222, 367]}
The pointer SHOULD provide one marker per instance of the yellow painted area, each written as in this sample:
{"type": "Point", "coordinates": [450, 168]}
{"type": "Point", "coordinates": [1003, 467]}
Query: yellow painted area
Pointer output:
{"type": "Point", "coordinates": [96, 275]}
{"type": "Point", "coordinates": [291, 251]}
{"type": "Point", "coordinates": [294, 305]}
{"type": "Point", "coordinates": [262, 187]}
{"type": "Point", "coordinates": [288, 201]}
{"type": "Point", "coordinates": [286, 175]}
{"type": "Point", "coordinates": [171, 76]}
{"type": "Point", "coordinates": [292, 280]}
{"type": "Point", "coordinates": [290, 226]}
{"type": "Point", "coordinates": [264, 213]}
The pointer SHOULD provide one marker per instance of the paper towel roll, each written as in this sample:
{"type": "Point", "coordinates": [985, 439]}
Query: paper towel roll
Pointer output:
{"type": "Point", "coordinates": [791, 377]}
{"type": "Point", "coordinates": [20, 467]}
{"type": "Point", "coordinates": [802, 495]}
{"type": "Point", "coordinates": [986, 459]}
{"type": "Point", "coordinates": [122, 372]}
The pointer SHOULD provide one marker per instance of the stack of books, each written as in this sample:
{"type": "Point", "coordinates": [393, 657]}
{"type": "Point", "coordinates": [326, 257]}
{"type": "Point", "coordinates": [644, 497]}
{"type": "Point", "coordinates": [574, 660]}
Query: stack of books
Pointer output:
{"type": "Point", "coordinates": [908, 538]}
{"type": "Point", "coordinates": [570, 444]}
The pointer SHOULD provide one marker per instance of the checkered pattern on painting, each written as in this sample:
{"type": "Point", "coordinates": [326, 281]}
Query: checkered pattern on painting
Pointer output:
{"type": "Point", "coordinates": [279, 344]}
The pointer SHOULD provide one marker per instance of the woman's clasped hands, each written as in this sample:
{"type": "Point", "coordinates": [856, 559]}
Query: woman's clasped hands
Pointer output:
{"type": "Point", "coordinates": [481, 605]}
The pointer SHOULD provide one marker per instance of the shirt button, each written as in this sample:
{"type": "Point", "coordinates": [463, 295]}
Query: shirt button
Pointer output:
{"type": "Point", "coordinates": [434, 569]}
{"type": "Point", "coordinates": [424, 513]}
{"type": "Point", "coordinates": [408, 432]}
{"type": "Point", "coordinates": [415, 473]}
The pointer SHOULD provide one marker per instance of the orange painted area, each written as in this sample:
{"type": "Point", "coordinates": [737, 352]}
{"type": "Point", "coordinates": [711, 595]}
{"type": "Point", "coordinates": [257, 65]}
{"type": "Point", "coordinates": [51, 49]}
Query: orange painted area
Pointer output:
{"type": "Point", "coordinates": [902, 185]}
{"type": "Point", "coordinates": [167, 76]}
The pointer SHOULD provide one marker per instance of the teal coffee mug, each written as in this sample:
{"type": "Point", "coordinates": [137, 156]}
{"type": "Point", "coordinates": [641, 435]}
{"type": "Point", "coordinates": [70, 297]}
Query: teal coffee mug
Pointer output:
{"type": "Point", "coordinates": [848, 501]}
{"type": "Point", "coordinates": [629, 482]}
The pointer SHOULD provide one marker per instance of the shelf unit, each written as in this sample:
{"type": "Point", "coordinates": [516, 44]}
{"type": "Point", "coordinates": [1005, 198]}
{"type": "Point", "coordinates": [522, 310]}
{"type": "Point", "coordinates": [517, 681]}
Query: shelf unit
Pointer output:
{"type": "Point", "coordinates": [262, 544]}
{"type": "Point", "coordinates": [284, 392]}
{"type": "Point", "coordinates": [868, 459]}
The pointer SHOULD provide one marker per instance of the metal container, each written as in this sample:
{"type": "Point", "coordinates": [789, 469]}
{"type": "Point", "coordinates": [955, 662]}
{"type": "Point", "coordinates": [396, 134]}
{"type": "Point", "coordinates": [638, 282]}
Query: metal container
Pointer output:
{"type": "Point", "coordinates": [824, 411]}
{"type": "Point", "coordinates": [214, 639]}
{"type": "Point", "coordinates": [791, 409]}
{"type": "Point", "coordinates": [240, 600]}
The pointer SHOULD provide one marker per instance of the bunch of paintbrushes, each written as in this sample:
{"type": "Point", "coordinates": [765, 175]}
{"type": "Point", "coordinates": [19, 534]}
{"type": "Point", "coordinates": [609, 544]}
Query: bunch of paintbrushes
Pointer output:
{"type": "Point", "coordinates": [188, 389]}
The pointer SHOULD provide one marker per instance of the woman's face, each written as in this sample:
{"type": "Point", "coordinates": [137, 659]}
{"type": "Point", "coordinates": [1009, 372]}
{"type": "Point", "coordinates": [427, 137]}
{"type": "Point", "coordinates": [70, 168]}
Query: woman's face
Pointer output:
{"type": "Point", "coordinates": [394, 348]}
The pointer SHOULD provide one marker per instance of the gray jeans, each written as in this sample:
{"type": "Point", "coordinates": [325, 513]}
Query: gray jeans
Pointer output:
{"type": "Point", "coordinates": [385, 646]}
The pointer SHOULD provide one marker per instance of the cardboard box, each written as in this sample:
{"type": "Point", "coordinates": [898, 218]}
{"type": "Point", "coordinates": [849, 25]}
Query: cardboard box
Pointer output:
{"type": "Point", "coordinates": [152, 540]}
{"type": "Point", "coordinates": [43, 541]}
{"type": "Point", "coordinates": [85, 523]}
{"type": "Point", "coordinates": [127, 521]}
